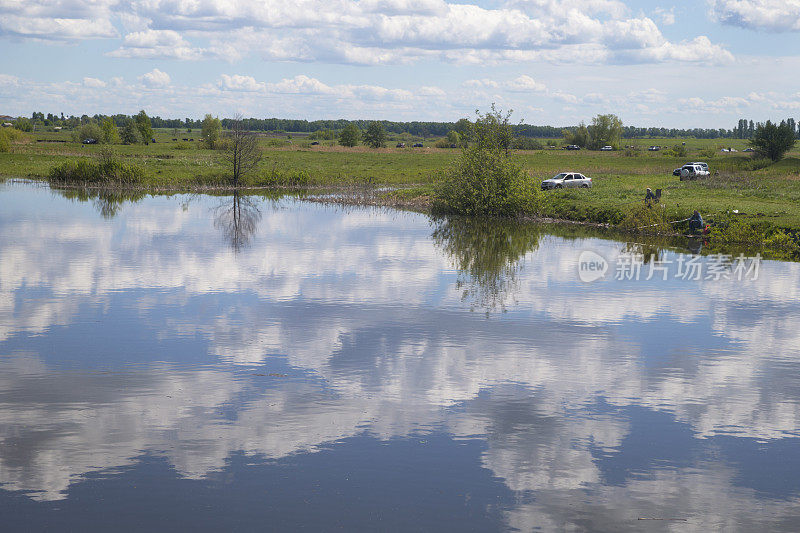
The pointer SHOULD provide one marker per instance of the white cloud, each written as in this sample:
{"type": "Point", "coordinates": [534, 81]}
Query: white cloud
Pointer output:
{"type": "Point", "coordinates": [55, 29]}
{"type": "Point", "coordinates": [769, 15]}
{"type": "Point", "coordinates": [367, 32]}
{"type": "Point", "coordinates": [94, 83]}
{"type": "Point", "coordinates": [666, 16]}
{"type": "Point", "coordinates": [698, 50]}
{"type": "Point", "coordinates": [300, 85]}
{"type": "Point", "coordinates": [238, 82]}
{"type": "Point", "coordinates": [719, 105]}
{"type": "Point", "coordinates": [155, 78]}
{"type": "Point", "coordinates": [525, 84]}
{"type": "Point", "coordinates": [154, 44]}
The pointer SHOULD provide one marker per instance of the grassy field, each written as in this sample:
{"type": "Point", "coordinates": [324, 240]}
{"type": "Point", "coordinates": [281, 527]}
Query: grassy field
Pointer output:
{"type": "Point", "coordinates": [768, 195]}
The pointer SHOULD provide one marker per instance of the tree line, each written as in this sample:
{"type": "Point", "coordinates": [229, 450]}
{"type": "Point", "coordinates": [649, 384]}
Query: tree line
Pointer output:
{"type": "Point", "coordinates": [744, 129]}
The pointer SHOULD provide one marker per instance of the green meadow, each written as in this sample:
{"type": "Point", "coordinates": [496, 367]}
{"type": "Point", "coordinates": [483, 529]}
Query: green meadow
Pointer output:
{"type": "Point", "coordinates": [757, 192]}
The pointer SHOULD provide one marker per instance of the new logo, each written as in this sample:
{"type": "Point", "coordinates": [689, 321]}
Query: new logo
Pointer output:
{"type": "Point", "coordinates": [591, 266]}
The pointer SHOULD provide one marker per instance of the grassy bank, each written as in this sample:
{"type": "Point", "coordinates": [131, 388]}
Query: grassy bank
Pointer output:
{"type": "Point", "coordinates": [740, 191]}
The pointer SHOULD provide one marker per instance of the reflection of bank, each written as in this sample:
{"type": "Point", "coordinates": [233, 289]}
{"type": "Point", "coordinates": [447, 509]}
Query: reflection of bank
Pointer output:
{"type": "Point", "coordinates": [238, 219]}
{"type": "Point", "coordinates": [488, 254]}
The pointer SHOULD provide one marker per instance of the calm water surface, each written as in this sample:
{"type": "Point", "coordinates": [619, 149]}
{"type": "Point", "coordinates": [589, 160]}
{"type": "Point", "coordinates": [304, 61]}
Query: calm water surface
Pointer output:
{"type": "Point", "coordinates": [217, 363]}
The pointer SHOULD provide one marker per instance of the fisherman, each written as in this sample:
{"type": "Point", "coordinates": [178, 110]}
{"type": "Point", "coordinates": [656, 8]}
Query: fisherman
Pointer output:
{"type": "Point", "coordinates": [695, 222]}
{"type": "Point", "coordinates": [650, 197]}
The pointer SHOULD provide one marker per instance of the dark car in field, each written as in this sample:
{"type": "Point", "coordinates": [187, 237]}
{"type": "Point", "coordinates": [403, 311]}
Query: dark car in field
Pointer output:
{"type": "Point", "coordinates": [573, 147]}
{"type": "Point", "coordinates": [90, 141]}
{"type": "Point", "coordinates": [400, 145]}
{"type": "Point", "coordinates": [417, 145]}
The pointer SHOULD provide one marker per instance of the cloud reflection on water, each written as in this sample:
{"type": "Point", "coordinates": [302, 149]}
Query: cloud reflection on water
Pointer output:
{"type": "Point", "coordinates": [363, 306]}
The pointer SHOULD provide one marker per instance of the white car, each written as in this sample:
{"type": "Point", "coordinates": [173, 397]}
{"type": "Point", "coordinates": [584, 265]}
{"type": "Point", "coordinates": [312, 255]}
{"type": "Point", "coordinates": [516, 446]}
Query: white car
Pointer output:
{"type": "Point", "coordinates": [693, 172]}
{"type": "Point", "coordinates": [567, 180]}
{"type": "Point", "coordinates": [606, 148]}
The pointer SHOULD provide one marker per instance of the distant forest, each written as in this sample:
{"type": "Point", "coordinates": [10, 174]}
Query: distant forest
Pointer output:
{"type": "Point", "coordinates": [743, 130]}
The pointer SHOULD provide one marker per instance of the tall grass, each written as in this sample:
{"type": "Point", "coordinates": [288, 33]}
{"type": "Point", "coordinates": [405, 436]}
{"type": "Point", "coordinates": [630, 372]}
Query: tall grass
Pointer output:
{"type": "Point", "coordinates": [107, 169]}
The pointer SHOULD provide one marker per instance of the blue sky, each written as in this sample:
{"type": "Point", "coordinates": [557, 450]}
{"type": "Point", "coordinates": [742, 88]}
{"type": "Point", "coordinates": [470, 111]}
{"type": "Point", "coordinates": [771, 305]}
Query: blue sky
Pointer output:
{"type": "Point", "coordinates": [698, 64]}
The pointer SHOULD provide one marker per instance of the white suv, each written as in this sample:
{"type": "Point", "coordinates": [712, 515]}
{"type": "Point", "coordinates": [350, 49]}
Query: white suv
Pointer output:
{"type": "Point", "coordinates": [693, 171]}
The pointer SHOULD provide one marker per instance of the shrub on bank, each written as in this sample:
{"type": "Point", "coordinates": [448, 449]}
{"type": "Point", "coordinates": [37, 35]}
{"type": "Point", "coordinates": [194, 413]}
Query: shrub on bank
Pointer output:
{"type": "Point", "coordinates": [733, 230]}
{"type": "Point", "coordinates": [644, 219]}
{"type": "Point", "coordinates": [7, 136]}
{"type": "Point", "coordinates": [285, 178]}
{"type": "Point", "coordinates": [485, 180]}
{"type": "Point", "coordinates": [107, 169]}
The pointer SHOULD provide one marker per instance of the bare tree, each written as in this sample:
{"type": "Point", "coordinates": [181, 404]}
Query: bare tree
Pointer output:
{"type": "Point", "coordinates": [243, 152]}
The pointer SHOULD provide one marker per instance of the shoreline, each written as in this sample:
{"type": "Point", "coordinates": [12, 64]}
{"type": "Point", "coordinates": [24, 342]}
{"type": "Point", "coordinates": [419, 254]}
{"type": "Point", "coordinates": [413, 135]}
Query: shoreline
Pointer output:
{"type": "Point", "coordinates": [376, 196]}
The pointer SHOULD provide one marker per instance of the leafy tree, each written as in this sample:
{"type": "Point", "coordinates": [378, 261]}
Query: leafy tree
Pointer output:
{"type": "Point", "coordinates": [486, 180]}
{"type": "Point", "coordinates": [23, 124]}
{"type": "Point", "coordinates": [375, 136]}
{"type": "Point", "coordinates": [110, 132]}
{"type": "Point", "coordinates": [350, 135]}
{"type": "Point", "coordinates": [605, 130]}
{"type": "Point", "coordinates": [578, 137]}
{"type": "Point", "coordinates": [144, 127]}
{"type": "Point", "coordinates": [210, 131]}
{"type": "Point", "coordinates": [772, 140]}
{"type": "Point", "coordinates": [90, 130]}
{"type": "Point", "coordinates": [464, 129]}
{"type": "Point", "coordinates": [453, 138]}
{"type": "Point", "coordinates": [129, 133]}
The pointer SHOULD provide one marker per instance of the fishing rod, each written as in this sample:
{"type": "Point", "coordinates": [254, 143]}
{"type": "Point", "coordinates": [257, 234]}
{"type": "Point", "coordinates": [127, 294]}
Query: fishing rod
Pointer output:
{"type": "Point", "coordinates": [662, 223]}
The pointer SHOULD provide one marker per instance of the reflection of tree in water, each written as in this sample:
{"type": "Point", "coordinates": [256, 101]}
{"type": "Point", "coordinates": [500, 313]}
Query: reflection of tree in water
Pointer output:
{"type": "Point", "coordinates": [649, 252]}
{"type": "Point", "coordinates": [487, 254]}
{"type": "Point", "coordinates": [238, 219]}
{"type": "Point", "coordinates": [108, 202]}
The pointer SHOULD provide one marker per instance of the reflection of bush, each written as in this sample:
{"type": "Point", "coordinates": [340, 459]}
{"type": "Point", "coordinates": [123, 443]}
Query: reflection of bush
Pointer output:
{"type": "Point", "coordinates": [487, 254]}
{"type": "Point", "coordinates": [107, 202]}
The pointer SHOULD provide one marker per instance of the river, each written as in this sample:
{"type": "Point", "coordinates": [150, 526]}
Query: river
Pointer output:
{"type": "Point", "coordinates": [210, 363]}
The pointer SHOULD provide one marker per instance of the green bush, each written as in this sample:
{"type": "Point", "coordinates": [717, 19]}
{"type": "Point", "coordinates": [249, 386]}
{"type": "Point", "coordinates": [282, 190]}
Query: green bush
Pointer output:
{"type": "Point", "coordinates": [783, 242]}
{"type": "Point", "coordinates": [731, 230]}
{"type": "Point", "coordinates": [442, 143]}
{"type": "Point", "coordinates": [5, 141]}
{"type": "Point", "coordinates": [526, 143]}
{"type": "Point", "coordinates": [91, 130]}
{"type": "Point", "coordinates": [631, 151]}
{"type": "Point", "coordinates": [645, 219]}
{"type": "Point", "coordinates": [107, 170]}
{"type": "Point", "coordinates": [485, 180]}
{"type": "Point", "coordinates": [288, 178]}
{"type": "Point", "coordinates": [678, 150]}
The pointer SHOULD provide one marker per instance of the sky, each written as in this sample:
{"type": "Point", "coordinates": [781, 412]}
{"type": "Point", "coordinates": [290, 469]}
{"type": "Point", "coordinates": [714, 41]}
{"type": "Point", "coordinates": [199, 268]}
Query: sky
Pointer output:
{"type": "Point", "coordinates": [685, 65]}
